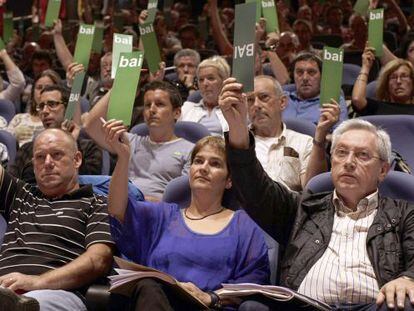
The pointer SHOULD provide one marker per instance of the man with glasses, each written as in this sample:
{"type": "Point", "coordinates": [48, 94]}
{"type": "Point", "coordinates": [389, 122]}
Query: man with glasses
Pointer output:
{"type": "Point", "coordinates": [51, 108]}
{"type": "Point", "coordinates": [58, 239]}
{"type": "Point", "coordinates": [350, 248]}
{"type": "Point", "coordinates": [304, 101]}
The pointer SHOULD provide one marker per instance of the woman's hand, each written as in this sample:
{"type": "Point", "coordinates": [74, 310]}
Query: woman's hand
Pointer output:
{"type": "Point", "coordinates": [115, 136]}
{"type": "Point", "coordinates": [368, 58]}
{"type": "Point", "coordinates": [195, 291]}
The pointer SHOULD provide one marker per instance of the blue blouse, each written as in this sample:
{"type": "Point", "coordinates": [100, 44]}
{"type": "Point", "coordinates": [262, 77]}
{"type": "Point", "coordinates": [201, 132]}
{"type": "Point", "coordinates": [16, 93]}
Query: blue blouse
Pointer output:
{"type": "Point", "coordinates": [155, 235]}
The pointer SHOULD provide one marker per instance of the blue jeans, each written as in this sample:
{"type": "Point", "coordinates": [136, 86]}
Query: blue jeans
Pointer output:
{"type": "Point", "coordinates": [57, 300]}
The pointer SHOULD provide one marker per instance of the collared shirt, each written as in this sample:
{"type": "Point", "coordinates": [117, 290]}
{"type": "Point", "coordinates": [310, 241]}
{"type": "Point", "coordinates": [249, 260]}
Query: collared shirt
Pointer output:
{"type": "Point", "coordinates": [197, 112]}
{"type": "Point", "coordinates": [285, 158]}
{"type": "Point", "coordinates": [309, 109]}
{"type": "Point", "coordinates": [344, 273]}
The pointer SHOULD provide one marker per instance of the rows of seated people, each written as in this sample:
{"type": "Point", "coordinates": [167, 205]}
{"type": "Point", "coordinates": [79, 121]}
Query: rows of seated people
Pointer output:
{"type": "Point", "coordinates": [240, 168]}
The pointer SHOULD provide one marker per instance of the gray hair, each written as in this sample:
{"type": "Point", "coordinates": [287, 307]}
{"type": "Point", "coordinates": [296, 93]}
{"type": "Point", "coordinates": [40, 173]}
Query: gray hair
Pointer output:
{"type": "Point", "coordinates": [184, 53]}
{"type": "Point", "coordinates": [383, 139]}
{"type": "Point", "coordinates": [276, 85]}
{"type": "Point", "coordinates": [217, 62]}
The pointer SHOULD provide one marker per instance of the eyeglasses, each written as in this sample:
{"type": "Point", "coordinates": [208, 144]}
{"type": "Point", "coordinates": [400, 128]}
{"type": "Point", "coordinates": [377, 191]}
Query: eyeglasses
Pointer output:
{"type": "Point", "coordinates": [363, 156]}
{"type": "Point", "coordinates": [403, 77]}
{"type": "Point", "coordinates": [51, 104]}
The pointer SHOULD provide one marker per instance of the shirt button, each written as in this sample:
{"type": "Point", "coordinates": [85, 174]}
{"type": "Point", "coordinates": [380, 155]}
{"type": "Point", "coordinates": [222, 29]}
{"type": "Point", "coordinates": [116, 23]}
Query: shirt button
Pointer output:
{"type": "Point", "coordinates": [393, 221]}
{"type": "Point", "coordinates": [317, 241]}
{"type": "Point", "coordinates": [388, 225]}
{"type": "Point", "coordinates": [379, 228]}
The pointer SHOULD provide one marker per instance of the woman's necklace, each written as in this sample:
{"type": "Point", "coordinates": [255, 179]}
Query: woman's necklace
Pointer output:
{"type": "Point", "coordinates": [192, 218]}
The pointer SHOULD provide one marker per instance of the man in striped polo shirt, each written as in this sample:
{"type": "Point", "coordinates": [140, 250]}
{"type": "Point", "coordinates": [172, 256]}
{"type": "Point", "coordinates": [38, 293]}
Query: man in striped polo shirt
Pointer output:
{"type": "Point", "coordinates": [58, 239]}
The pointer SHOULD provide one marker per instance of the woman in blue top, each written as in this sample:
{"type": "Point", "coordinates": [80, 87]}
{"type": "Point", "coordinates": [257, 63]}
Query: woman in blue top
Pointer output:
{"type": "Point", "coordinates": [202, 245]}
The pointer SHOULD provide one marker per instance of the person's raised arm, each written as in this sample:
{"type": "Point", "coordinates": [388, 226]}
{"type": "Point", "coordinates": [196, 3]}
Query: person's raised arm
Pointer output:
{"type": "Point", "coordinates": [359, 91]}
{"type": "Point", "coordinates": [15, 76]}
{"type": "Point", "coordinates": [278, 68]}
{"type": "Point", "coordinates": [115, 136]}
{"type": "Point", "coordinates": [387, 55]}
{"type": "Point", "coordinates": [93, 123]}
{"type": "Point", "coordinates": [64, 55]}
{"type": "Point", "coordinates": [232, 103]}
{"type": "Point", "coordinates": [223, 43]}
{"type": "Point", "coordinates": [317, 162]}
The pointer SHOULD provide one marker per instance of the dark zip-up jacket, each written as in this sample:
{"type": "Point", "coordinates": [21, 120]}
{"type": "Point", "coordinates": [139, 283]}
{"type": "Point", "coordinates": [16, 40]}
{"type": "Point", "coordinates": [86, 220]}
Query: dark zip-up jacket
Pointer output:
{"type": "Point", "coordinates": [302, 223]}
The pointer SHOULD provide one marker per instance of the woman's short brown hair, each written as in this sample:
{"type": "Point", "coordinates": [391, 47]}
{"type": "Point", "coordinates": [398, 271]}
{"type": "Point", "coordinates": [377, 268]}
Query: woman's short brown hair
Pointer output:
{"type": "Point", "coordinates": [214, 141]}
{"type": "Point", "coordinates": [383, 92]}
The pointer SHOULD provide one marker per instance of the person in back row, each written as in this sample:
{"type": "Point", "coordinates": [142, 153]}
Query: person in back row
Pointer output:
{"type": "Point", "coordinates": [304, 101]}
{"type": "Point", "coordinates": [51, 109]}
{"type": "Point", "coordinates": [158, 157]}
{"type": "Point", "coordinates": [210, 74]}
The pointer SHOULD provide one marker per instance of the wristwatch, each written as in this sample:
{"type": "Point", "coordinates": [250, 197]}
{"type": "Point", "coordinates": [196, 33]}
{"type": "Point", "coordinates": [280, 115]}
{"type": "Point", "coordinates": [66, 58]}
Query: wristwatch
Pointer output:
{"type": "Point", "coordinates": [215, 301]}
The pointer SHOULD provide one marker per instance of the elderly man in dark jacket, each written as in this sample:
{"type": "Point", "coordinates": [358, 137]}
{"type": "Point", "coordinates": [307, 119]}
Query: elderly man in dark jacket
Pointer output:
{"type": "Point", "coordinates": [350, 248]}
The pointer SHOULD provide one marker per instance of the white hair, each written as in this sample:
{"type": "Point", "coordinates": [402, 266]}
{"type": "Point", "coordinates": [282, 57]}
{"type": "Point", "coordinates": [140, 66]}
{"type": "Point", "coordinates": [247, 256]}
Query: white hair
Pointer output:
{"type": "Point", "coordinates": [383, 139]}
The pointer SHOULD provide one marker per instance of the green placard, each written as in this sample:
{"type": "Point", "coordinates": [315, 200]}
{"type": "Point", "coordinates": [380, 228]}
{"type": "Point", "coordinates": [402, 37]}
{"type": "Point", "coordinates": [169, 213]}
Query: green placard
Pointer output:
{"type": "Point", "coordinates": [121, 43]}
{"type": "Point", "coordinates": [376, 30]}
{"type": "Point", "coordinates": [331, 81]}
{"type": "Point", "coordinates": [270, 14]}
{"type": "Point", "coordinates": [152, 10]}
{"type": "Point", "coordinates": [244, 36]}
{"type": "Point", "coordinates": [75, 93]}
{"type": "Point", "coordinates": [84, 44]}
{"type": "Point", "coordinates": [7, 26]}
{"type": "Point", "coordinates": [2, 45]}
{"type": "Point", "coordinates": [152, 51]}
{"type": "Point", "coordinates": [98, 37]}
{"type": "Point", "coordinates": [52, 12]}
{"type": "Point", "coordinates": [123, 93]}
{"type": "Point", "coordinates": [258, 13]}
{"type": "Point", "coordinates": [361, 7]}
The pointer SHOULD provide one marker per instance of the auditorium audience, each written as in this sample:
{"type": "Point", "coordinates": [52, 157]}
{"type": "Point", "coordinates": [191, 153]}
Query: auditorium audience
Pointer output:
{"type": "Point", "coordinates": [203, 244]}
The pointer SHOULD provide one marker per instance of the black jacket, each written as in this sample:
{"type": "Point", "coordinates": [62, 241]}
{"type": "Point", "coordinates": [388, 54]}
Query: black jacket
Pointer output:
{"type": "Point", "coordinates": [302, 223]}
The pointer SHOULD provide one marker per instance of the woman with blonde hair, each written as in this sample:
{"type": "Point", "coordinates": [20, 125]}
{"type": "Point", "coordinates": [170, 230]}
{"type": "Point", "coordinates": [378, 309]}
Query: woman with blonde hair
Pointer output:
{"type": "Point", "coordinates": [395, 88]}
{"type": "Point", "coordinates": [211, 73]}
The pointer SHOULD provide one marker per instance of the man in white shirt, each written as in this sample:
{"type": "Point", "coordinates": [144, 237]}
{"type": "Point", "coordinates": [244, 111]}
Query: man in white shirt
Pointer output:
{"type": "Point", "coordinates": [283, 153]}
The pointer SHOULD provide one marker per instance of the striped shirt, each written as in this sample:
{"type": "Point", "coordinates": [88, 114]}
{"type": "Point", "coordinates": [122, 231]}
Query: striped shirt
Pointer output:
{"type": "Point", "coordinates": [344, 273]}
{"type": "Point", "coordinates": [45, 234]}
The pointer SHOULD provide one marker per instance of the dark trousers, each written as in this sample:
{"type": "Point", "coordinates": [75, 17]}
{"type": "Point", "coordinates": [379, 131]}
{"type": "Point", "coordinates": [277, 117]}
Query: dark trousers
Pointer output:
{"type": "Point", "coordinates": [150, 295]}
